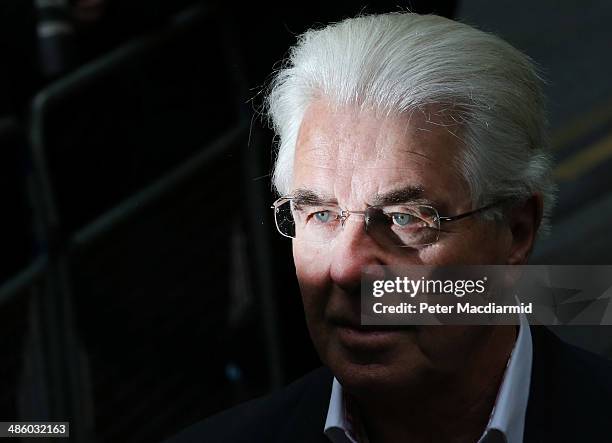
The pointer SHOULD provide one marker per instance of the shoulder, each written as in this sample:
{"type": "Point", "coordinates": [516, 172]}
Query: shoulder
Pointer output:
{"type": "Point", "coordinates": [570, 392]}
{"type": "Point", "coordinates": [560, 362]}
{"type": "Point", "coordinates": [264, 419]}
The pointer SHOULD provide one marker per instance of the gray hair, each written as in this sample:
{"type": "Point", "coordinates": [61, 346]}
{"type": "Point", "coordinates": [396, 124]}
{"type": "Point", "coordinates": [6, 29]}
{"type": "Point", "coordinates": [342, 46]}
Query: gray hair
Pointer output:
{"type": "Point", "coordinates": [402, 62]}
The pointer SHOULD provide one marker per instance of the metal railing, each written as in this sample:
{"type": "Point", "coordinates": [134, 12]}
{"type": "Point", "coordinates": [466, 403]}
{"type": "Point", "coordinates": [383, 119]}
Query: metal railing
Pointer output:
{"type": "Point", "coordinates": [49, 276]}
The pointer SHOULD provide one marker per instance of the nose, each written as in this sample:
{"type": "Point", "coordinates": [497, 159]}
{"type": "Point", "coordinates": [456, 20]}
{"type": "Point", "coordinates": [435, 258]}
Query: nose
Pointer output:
{"type": "Point", "coordinates": [352, 250]}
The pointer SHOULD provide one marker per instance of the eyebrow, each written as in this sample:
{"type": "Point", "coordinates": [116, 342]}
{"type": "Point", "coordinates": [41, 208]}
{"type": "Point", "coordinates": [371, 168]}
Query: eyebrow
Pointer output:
{"type": "Point", "coordinates": [407, 194]}
{"type": "Point", "coordinates": [308, 196]}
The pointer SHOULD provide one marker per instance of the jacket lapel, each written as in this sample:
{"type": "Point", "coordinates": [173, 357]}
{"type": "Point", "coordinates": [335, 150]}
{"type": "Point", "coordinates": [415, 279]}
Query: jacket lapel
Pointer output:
{"type": "Point", "coordinates": [307, 421]}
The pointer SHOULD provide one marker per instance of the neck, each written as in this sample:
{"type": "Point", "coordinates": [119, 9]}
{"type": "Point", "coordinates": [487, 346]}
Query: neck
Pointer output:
{"type": "Point", "coordinates": [455, 408]}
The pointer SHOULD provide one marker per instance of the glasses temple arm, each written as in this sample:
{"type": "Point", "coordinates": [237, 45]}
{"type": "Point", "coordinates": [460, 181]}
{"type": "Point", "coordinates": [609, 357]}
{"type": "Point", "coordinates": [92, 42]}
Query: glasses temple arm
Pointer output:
{"type": "Point", "coordinates": [452, 218]}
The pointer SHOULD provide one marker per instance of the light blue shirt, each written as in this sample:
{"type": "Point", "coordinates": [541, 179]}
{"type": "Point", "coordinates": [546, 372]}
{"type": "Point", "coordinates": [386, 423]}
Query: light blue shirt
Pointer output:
{"type": "Point", "coordinates": [507, 419]}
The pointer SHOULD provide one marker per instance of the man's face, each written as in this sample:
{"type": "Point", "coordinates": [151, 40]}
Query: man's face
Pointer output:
{"type": "Point", "coordinates": [355, 159]}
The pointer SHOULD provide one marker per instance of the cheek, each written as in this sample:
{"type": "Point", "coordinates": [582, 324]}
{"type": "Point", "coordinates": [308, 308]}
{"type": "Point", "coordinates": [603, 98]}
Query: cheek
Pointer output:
{"type": "Point", "coordinates": [493, 244]}
{"type": "Point", "coordinates": [311, 263]}
{"type": "Point", "coordinates": [447, 253]}
{"type": "Point", "coordinates": [469, 245]}
{"type": "Point", "coordinates": [312, 270]}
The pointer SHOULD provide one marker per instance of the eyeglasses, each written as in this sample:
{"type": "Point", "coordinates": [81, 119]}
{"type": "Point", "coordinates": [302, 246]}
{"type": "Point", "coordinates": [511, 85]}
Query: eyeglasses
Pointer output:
{"type": "Point", "coordinates": [404, 225]}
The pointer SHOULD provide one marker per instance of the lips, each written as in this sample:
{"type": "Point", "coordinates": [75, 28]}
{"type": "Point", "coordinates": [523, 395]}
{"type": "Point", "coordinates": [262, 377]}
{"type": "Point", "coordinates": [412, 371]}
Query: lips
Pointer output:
{"type": "Point", "coordinates": [353, 335]}
{"type": "Point", "coordinates": [355, 323]}
{"type": "Point", "coordinates": [365, 328]}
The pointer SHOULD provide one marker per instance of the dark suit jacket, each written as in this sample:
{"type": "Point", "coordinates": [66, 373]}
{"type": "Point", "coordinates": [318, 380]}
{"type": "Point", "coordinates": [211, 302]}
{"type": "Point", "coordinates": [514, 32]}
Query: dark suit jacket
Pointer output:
{"type": "Point", "coordinates": [570, 400]}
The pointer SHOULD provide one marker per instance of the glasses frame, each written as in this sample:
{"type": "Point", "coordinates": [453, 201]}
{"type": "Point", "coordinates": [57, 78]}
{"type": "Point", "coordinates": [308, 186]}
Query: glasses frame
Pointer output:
{"type": "Point", "coordinates": [345, 213]}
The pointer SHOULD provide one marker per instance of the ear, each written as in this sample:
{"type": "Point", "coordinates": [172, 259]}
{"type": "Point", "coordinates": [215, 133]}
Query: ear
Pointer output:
{"type": "Point", "coordinates": [524, 220]}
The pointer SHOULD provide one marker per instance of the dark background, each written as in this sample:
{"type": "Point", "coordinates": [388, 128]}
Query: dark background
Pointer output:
{"type": "Point", "coordinates": [142, 283]}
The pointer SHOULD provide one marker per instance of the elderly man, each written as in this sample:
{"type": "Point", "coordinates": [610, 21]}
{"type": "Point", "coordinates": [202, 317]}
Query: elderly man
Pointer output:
{"type": "Point", "coordinates": [385, 123]}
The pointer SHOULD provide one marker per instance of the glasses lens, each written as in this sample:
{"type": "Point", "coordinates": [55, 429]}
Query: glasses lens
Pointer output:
{"type": "Point", "coordinates": [284, 219]}
{"type": "Point", "coordinates": [404, 226]}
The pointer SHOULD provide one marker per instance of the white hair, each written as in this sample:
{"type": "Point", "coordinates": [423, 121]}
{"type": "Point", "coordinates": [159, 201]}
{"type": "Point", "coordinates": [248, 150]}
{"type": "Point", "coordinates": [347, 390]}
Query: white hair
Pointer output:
{"type": "Point", "coordinates": [401, 62]}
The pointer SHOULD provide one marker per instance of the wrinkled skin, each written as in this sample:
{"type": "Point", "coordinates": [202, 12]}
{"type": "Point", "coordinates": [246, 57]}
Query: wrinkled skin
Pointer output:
{"type": "Point", "coordinates": [352, 156]}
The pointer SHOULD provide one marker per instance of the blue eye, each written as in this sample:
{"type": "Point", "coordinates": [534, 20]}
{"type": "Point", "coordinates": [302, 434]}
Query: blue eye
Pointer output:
{"type": "Point", "coordinates": [402, 219]}
{"type": "Point", "coordinates": [323, 216]}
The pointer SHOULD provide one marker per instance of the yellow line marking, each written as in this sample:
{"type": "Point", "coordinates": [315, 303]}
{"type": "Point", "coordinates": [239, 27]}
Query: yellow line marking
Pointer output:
{"type": "Point", "coordinates": [581, 126]}
{"type": "Point", "coordinates": [585, 160]}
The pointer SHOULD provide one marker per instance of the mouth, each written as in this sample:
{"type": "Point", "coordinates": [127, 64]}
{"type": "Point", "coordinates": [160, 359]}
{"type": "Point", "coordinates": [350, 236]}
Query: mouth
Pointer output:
{"type": "Point", "coordinates": [354, 335]}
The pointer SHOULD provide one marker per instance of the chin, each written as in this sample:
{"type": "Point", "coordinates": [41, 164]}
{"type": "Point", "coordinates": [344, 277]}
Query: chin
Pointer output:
{"type": "Point", "coordinates": [377, 372]}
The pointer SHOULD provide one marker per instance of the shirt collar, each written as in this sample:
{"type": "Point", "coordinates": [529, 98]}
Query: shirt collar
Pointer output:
{"type": "Point", "coordinates": [337, 426]}
{"type": "Point", "coordinates": [507, 416]}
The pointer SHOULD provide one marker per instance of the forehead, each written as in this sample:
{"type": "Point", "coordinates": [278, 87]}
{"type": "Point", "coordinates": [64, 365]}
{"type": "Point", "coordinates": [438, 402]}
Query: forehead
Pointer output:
{"type": "Point", "coordinates": [352, 155]}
